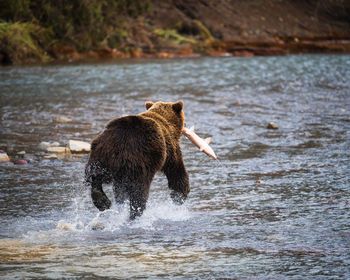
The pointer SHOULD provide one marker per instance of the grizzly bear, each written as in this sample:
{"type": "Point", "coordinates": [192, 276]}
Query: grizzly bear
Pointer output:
{"type": "Point", "coordinates": [130, 151]}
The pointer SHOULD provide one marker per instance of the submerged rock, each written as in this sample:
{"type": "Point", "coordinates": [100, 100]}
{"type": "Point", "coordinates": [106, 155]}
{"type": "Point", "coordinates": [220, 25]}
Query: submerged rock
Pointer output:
{"type": "Point", "coordinates": [4, 157]}
{"type": "Point", "coordinates": [44, 145]}
{"type": "Point", "coordinates": [58, 150]}
{"type": "Point", "coordinates": [51, 156]}
{"type": "Point", "coordinates": [63, 225]}
{"type": "Point", "coordinates": [259, 182]}
{"type": "Point", "coordinates": [275, 236]}
{"type": "Point", "coordinates": [63, 119]}
{"type": "Point", "coordinates": [30, 158]}
{"type": "Point", "coordinates": [21, 162]}
{"type": "Point", "coordinates": [272, 125]}
{"type": "Point", "coordinates": [79, 146]}
{"type": "Point", "coordinates": [98, 226]}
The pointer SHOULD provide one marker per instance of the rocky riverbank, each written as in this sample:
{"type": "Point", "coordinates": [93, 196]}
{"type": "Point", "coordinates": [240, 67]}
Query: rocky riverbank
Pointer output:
{"type": "Point", "coordinates": [47, 151]}
{"type": "Point", "coordinates": [77, 31]}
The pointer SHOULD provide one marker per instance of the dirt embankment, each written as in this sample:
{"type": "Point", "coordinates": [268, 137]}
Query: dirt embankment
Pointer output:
{"type": "Point", "coordinates": [260, 27]}
{"type": "Point", "coordinates": [171, 28]}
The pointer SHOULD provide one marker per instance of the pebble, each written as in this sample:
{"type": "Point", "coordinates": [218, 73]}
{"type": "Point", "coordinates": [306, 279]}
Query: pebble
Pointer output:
{"type": "Point", "coordinates": [21, 153]}
{"type": "Point", "coordinates": [272, 125]}
{"type": "Point", "coordinates": [63, 119]}
{"type": "Point", "coordinates": [4, 157]}
{"type": "Point", "coordinates": [30, 158]}
{"type": "Point", "coordinates": [51, 156]}
{"type": "Point", "coordinates": [98, 226]}
{"type": "Point", "coordinates": [21, 162]}
{"type": "Point", "coordinates": [275, 236]}
{"type": "Point", "coordinates": [259, 182]}
{"type": "Point", "coordinates": [79, 146]}
{"type": "Point", "coordinates": [62, 225]}
{"type": "Point", "coordinates": [44, 145]}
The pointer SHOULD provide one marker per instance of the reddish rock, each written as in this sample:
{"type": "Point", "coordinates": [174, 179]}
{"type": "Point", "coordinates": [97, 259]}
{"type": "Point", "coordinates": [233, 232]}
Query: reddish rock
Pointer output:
{"type": "Point", "coordinates": [147, 55]}
{"type": "Point", "coordinates": [185, 51]}
{"type": "Point", "coordinates": [117, 54]}
{"type": "Point", "coordinates": [107, 52]}
{"type": "Point", "coordinates": [243, 53]}
{"type": "Point", "coordinates": [64, 52]}
{"type": "Point", "coordinates": [135, 53]}
{"type": "Point", "coordinates": [21, 162]}
{"type": "Point", "coordinates": [188, 55]}
{"type": "Point", "coordinates": [164, 55]}
{"type": "Point", "coordinates": [218, 53]}
{"type": "Point", "coordinates": [90, 55]}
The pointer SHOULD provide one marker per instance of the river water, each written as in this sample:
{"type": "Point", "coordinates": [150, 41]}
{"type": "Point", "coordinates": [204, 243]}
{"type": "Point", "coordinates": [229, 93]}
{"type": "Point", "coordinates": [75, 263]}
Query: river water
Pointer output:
{"type": "Point", "coordinates": [276, 204]}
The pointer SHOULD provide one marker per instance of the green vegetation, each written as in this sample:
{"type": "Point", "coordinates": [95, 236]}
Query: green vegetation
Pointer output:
{"type": "Point", "coordinates": [39, 30]}
{"type": "Point", "coordinates": [171, 34]}
{"type": "Point", "coordinates": [204, 32]}
{"type": "Point", "coordinates": [20, 41]}
{"type": "Point", "coordinates": [38, 25]}
{"type": "Point", "coordinates": [194, 28]}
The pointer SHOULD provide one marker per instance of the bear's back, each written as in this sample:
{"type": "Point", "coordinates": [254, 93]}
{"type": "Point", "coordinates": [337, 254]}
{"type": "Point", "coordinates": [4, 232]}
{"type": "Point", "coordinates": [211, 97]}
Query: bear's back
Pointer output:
{"type": "Point", "coordinates": [129, 140]}
{"type": "Point", "coordinates": [126, 122]}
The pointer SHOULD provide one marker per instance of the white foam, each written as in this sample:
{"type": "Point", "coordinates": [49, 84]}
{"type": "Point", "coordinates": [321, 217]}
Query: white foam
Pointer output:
{"type": "Point", "coordinates": [81, 224]}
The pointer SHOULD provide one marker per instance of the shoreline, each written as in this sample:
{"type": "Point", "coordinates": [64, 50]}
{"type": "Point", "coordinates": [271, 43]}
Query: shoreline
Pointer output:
{"type": "Point", "coordinates": [239, 48]}
{"type": "Point", "coordinates": [39, 33]}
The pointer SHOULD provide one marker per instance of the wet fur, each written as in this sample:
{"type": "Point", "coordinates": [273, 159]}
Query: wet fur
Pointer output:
{"type": "Point", "coordinates": [131, 150]}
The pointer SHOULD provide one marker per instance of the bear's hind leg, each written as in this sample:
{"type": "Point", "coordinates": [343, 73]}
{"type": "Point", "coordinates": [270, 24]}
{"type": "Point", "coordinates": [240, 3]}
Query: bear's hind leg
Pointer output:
{"type": "Point", "coordinates": [98, 196]}
{"type": "Point", "coordinates": [120, 191]}
{"type": "Point", "coordinates": [138, 198]}
{"type": "Point", "coordinates": [95, 176]}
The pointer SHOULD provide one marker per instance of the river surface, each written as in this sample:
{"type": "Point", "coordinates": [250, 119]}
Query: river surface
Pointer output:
{"type": "Point", "coordinates": [276, 204]}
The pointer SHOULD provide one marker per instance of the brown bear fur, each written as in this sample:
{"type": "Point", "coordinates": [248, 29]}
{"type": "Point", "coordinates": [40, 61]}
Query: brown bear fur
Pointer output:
{"type": "Point", "coordinates": [131, 150]}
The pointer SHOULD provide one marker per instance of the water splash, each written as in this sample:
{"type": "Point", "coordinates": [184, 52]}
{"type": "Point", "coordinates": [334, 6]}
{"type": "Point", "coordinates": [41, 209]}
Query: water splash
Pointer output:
{"type": "Point", "coordinates": [81, 225]}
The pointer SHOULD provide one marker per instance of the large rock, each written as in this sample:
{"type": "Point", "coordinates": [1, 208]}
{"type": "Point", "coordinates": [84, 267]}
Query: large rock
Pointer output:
{"type": "Point", "coordinates": [4, 157]}
{"type": "Point", "coordinates": [79, 146]}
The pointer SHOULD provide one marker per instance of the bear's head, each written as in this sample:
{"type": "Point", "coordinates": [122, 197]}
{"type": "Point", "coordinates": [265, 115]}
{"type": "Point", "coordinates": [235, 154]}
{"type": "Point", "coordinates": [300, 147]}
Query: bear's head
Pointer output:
{"type": "Point", "coordinates": [171, 111]}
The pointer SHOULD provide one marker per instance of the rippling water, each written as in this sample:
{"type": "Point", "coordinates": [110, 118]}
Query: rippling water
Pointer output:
{"type": "Point", "coordinates": [276, 204]}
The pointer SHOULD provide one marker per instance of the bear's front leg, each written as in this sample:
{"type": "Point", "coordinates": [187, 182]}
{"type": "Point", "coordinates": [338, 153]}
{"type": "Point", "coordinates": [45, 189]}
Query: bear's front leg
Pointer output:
{"type": "Point", "coordinates": [178, 181]}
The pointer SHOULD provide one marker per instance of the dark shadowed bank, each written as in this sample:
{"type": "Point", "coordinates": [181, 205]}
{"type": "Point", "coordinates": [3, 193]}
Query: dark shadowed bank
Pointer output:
{"type": "Point", "coordinates": [36, 31]}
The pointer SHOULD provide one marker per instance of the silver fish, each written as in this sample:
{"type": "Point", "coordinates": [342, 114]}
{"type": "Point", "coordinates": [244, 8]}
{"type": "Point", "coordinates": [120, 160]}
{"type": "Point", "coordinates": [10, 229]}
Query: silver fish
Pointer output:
{"type": "Point", "coordinates": [202, 144]}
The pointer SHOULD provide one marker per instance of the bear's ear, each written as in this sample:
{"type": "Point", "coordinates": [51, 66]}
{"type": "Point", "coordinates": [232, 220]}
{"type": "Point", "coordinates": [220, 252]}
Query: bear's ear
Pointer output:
{"type": "Point", "coordinates": [148, 104]}
{"type": "Point", "coordinates": [177, 106]}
